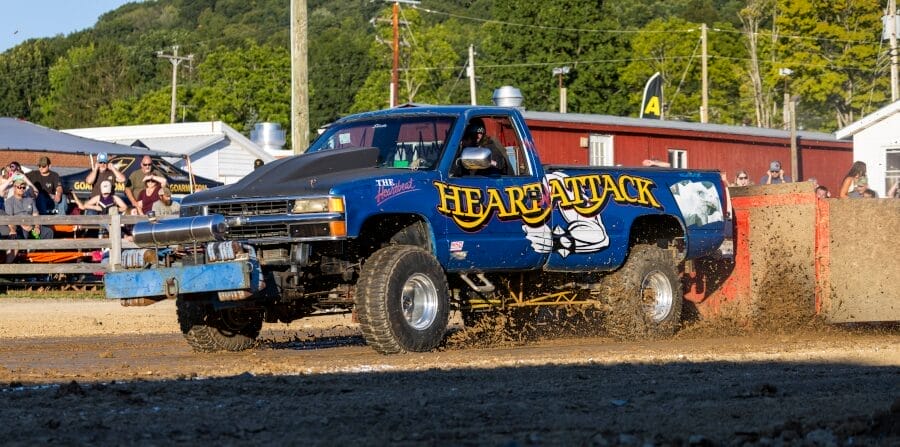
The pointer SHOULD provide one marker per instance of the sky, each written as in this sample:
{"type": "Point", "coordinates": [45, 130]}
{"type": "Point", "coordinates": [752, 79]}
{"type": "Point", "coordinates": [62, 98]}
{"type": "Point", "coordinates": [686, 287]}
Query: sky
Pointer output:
{"type": "Point", "coordinates": [26, 19]}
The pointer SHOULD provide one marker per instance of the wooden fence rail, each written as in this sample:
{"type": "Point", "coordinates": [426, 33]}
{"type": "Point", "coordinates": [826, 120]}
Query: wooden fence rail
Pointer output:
{"type": "Point", "coordinates": [114, 243]}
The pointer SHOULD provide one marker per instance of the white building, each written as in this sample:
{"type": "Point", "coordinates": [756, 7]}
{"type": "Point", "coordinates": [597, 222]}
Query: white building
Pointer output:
{"type": "Point", "coordinates": [216, 150]}
{"type": "Point", "coordinates": [876, 142]}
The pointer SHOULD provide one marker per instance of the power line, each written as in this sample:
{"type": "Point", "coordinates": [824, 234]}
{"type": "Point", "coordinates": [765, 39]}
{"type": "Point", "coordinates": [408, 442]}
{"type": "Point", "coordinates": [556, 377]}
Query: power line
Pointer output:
{"type": "Point", "coordinates": [626, 31]}
{"type": "Point", "coordinates": [796, 37]}
{"type": "Point", "coordinates": [549, 28]}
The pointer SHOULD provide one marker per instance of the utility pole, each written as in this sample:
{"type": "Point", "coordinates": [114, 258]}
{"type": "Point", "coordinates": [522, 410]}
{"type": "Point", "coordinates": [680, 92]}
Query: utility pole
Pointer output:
{"type": "Point", "coordinates": [395, 45]}
{"type": "Point", "coordinates": [786, 114]}
{"type": "Point", "coordinates": [175, 59]}
{"type": "Point", "coordinates": [471, 72]}
{"type": "Point", "coordinates": [892, 23]}
{"type": "Point", "coordinates": [795, 153]}
{"type": "Point", "coordinates": [395, 69]}
{"type": "Point", "coordinates": [299, 78]}
{"type": "Point", "coordinates": [560, 72]}
{"type": "Point", "coordinates": [704, 104]}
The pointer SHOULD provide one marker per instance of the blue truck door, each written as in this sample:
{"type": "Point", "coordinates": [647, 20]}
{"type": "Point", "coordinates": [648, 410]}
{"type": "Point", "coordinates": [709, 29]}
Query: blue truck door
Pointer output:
{"type": "Point", "coordinates": [483, 211]}
{"type": "Point", "coordinates": [496, 241]}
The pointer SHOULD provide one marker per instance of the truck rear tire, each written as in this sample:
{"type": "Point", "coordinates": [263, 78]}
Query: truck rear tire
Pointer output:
{"type": "Point", "coordinates": [644, 296]}
{"type": "Point", "coordinates": [208, 330]}
{"type": "Point", "coordinates": [402, 300]}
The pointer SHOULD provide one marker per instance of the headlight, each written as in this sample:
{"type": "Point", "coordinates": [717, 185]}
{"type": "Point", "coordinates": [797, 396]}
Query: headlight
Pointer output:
{"type": "Point", "coordinates": [318, 205]}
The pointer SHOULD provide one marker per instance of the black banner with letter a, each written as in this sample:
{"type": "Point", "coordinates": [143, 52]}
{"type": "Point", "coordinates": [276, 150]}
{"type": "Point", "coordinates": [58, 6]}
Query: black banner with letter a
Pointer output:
{"type": "Point", "coordinates": [651, 105]}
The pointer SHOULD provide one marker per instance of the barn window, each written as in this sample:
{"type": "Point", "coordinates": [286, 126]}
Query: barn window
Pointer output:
{"type": "Point", "coordinates": [600, 150]}
{"type": "Point", "coordinates": [892, 167]}
{"type": "Point", "coordinates": [678, 158]}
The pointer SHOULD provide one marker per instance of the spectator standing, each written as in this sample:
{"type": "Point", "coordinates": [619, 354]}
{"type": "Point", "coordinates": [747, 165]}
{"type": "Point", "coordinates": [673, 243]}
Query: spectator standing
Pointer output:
{"type": "Point", "coordinates": [149, 195]}
{"type": "Point", "coordinates": [862, 184]}
{"type": "Point", "coordinates": [166, 206]}
{"type": "Point", "coordinates": [137, 178]}
{"type": "Point", "coordinates": [103, 171]}
{"type": "Point", "coordinates": [857, 170]}
{"type": "Point", "coordinates": [775, 175]}
{"type": "Point", "coordinates": [257, 163]}
{"type": "Point", "coordinates": [50, 198]}
{"type": "Point", "coordinates": [822, 192]}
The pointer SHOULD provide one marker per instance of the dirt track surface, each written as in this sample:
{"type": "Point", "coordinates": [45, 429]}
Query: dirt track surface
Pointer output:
{"type": "Point", "coordinates": [93, 372]}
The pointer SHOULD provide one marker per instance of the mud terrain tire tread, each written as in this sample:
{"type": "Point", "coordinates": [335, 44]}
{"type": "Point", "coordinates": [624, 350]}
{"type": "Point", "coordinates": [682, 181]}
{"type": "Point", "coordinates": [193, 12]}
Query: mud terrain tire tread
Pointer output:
{"type": "Point", "coordinates": [378, 300]}
{"type": "Point", "coordinates": [415, 234]}
{"type": "Point", "coordinates": [208, 331]}
{"type": "Point", "coordinates": [626, 317]}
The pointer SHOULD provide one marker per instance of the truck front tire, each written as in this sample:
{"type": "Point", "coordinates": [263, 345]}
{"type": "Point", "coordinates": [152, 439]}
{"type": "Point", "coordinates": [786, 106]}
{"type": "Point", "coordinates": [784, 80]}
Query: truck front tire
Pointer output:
{"type": "Point", "coordinates": [402, 300]}
{"type": "Point", "coordinates": [208, 330]}
{"type": "Point", "coordinates": [644, 297]}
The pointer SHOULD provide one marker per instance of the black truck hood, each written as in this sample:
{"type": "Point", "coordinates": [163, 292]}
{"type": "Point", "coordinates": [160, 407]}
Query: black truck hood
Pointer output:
{"type": "Point", "coordinates": [305, 174]}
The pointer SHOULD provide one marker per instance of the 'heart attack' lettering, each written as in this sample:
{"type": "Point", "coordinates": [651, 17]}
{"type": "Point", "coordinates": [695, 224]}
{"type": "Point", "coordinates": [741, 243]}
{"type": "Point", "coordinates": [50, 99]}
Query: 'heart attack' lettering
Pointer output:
{"type": "Point", "coordinates": [471, 208]}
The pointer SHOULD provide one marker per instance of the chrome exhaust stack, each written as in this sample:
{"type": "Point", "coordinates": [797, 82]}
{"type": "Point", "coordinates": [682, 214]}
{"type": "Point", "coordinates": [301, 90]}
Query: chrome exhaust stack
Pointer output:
{"type": "Point", "coordinates": [183, 230]}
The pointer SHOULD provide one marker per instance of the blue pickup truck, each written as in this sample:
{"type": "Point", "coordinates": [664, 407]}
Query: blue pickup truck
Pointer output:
{"type": "Point", "coordinates": [404, 215]}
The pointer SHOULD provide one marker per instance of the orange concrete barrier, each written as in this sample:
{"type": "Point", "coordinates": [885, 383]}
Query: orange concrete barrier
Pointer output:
{"type": "Point", "coordinates": [858, 260]}
{"type": "Point", "coordinates": [796, 256]}
{"type": "Point", "coordinates": [773, 269]}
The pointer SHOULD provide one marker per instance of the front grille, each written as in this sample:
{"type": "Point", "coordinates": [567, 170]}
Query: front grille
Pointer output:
{"type": "Point", "coordinates": [247, 209]}
{"type": "Point", "coordinates": [258, 231]}
{"type": "Point", "coordinates": [276, 230]}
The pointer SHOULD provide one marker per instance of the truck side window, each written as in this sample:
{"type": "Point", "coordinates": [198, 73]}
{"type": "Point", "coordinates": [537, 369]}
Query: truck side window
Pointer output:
{"type": "Point", "coordinates": [498, 134]}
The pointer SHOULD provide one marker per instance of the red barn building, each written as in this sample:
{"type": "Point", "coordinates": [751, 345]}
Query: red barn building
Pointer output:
{"type": "Point", "coordinates": [603, 140]}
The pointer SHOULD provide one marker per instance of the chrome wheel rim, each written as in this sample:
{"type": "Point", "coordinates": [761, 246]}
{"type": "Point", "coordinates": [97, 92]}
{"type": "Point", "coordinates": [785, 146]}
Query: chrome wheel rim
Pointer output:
{"type": "Point", "coordinates": [657, 295]}
{"type": "Point", "coordinates": [419, 301]}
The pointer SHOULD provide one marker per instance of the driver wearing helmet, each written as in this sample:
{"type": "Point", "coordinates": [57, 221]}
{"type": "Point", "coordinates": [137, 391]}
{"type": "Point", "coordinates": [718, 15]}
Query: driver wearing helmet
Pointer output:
{"type": "Point", "coordinates": [476, 136]}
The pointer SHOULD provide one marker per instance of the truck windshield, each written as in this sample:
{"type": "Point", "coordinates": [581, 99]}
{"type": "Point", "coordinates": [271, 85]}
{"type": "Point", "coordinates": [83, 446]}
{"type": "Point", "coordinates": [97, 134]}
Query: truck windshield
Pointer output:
{"type": "Point", "coordinates": [403, 141]}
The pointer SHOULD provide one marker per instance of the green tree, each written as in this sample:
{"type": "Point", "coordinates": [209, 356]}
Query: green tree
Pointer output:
{"type": "Point", "coordinates": [672, 47]}
{"type": "Point", "coordinates": [759, 88]}
{"type": "Point", "coordinates": [151, 108]}
{"type": "Point", "coordinates": [832, 46]}
{"type": "Point", "coordinates": [427, 62]}
{"type": "Point", "coordinates": [244, 86]}
{"type": "Point", "coordinates": [636, 14]}
{"type": "Point", "coordinates": [23, 70]}
{"type": "Point", "coordinates": [83, 81]}
{"type": "Point", "coordinates": [528, 39]}
{"type": "Point", "coordinates": [339, 65]}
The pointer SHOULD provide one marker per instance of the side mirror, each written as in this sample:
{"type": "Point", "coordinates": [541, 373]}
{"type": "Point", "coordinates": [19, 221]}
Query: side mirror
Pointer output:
{"type": "Point", "coordinates": [475, 158]}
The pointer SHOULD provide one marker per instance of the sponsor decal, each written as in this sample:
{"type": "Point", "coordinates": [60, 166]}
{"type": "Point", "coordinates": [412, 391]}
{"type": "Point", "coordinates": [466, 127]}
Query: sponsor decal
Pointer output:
{"type": "Point", "coordinates": [176, 188]}
{"type": "Point", "coordinates": [388, 189]}
{"type": "Point", "coordinates": [185, 188]}
{"type": "Point", "coordinates": [698, 201]}
{"type": "Point", "coordinates": [456, 246]}
{"type": "Point", "coordinates": [85, 186]}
